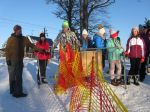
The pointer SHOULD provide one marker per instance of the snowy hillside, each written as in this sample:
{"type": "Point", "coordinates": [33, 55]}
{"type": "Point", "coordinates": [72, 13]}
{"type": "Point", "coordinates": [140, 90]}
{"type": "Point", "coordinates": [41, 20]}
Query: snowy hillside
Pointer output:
{"type": "Point", "coordinates": [43, 99]}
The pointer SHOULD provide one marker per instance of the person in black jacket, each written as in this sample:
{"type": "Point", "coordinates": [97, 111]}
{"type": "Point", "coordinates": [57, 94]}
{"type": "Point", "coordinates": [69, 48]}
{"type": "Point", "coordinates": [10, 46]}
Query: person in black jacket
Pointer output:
{"type": "Point", "coordinates": [146, 38]}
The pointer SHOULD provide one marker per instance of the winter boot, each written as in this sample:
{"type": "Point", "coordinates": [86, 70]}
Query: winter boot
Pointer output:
{"type": "Point", "coordinates": [120, 81]}
{"type": "Point", "coordinates": [19, 95]}
{"type": "Point", "coordinates": [141, 79]}
{"type": "Point", "coordinates": [44, 81]}
{"type": "Point", "coordinates": [38, 79]}
{"type": "Point", "coordinates": [114, 83]}
{"type": "Point", "coordinates": [136, 79]}
{"type": "Point", "coordinates": [129, 79]}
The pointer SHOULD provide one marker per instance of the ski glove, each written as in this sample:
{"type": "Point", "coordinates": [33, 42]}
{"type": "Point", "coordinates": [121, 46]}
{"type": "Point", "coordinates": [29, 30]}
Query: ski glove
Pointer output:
{"type": "Point", "coordinates": [142, 60]}
{"type": "Point", "coordinates": [42, 51]}
{"type": "Point", "coordinates": [48, 61]}
{"type": "Point", "coordinates": [126, 53]}
{"type": "Point", "coordinates": [8, 62]}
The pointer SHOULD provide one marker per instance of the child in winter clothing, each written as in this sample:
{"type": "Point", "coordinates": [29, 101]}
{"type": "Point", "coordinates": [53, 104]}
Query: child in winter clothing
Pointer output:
{"type": "Point", "coordinates": [84, 39]}
{"type": "Point", "coordinates": [43, 58]}
{"type": "Point", "coordinates": [135, 50]}
{"type": "Point", "coordinates": [99, 42]}
{"type": "Point", "coordinates": [99, 38]}
{"type": "Point", "coordinates": [68, 52]}
{"type": "Point", "coordinates": [66, 36]}
{"type": "Point", "coordinates": [114, 56]}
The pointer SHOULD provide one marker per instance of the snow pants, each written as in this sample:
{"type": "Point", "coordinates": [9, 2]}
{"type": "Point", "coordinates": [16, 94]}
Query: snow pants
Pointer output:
{"type": "Point", "coordinates": [15, 77]}
{"type": "Point", "coordinates": [135, 66]}
{"type": "Point", "coordinates": [114, 63]}
{"type": "Point", "coordinates": [42, 68]}
{"type": "Point", "coordinates": [143, 69]}
{"type": "Point", "coordinates": [103, 58]}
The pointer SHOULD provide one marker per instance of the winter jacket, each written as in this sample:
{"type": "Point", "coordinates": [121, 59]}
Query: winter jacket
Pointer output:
{"type": "Point", "coordinates": [86, 43]}
{"type": "Point", "coordinates": [64, 38]}
{"type": "Point", "coordinates": [44, 46]}
{"type": "Point", "coordinates": [114, 49]}
{"type": "Point", "coordinates": [135, 47]}
{"type": "Point", "coordinates": [15, 47]}
{"type": "Point", "coordinates": [147, 45]}
{"type": "Point", "coordinates": [99, 41]}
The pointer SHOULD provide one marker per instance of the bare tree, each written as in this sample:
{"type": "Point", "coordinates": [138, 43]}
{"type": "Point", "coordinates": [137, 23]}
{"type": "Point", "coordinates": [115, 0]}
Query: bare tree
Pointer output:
{"type": "Point", "coordinates": [95, 13]}
{"type": "Point", "coordinates": [67, 10]}
{"type": "Point", "coordinates": [82, 14]}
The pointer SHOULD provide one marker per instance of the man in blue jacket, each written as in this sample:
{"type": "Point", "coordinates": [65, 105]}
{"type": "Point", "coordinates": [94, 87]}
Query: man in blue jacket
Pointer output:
{"type": "Point", "coordinates": [99, 42]}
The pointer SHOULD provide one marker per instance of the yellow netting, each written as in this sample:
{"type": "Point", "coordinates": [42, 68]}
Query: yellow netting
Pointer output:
{"type": "Point", "coordinates": [96, 96]}
{"type": "Point", "coordinates": [90, 91]}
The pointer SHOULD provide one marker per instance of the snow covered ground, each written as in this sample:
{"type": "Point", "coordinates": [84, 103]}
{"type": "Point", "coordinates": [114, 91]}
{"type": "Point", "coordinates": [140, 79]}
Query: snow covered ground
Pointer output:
{"type": "Point", "coordinates": [40, 99]}
{"type": "Point", "coordinates": [43, 99]}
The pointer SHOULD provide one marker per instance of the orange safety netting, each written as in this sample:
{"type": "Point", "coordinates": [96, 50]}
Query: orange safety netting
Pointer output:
{"type": "Point", "coordinates": [70, 69]}
{"type": "Point", "coordinates": [90, 93]}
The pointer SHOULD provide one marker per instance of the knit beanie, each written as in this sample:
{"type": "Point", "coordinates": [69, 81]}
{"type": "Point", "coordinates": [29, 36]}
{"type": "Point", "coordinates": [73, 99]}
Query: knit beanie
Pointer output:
{"type": "Point", "coordinates": [84, 32]}
{"type": "Point", "coordinates": [135, 28]}
{"type": "Point", "coordinates": [42, 34]}
{"type": "Point", "coordinates": [114, 34]}
{"type": "Point", "coordinates": [17, 27]}
{"type": "Point", "coordinates": [65, 24]}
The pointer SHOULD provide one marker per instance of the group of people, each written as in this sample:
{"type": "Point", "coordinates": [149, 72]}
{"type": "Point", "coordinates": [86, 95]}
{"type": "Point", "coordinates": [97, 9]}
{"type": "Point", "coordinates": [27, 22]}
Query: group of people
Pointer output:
{"type": "Point", "coordinates": [137, 49]}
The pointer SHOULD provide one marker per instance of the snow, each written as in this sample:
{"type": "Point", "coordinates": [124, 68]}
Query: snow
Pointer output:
{"type": "Point", "coordinates": [40, 99]}
{"type": "Point", "coordinates": [43, 99]}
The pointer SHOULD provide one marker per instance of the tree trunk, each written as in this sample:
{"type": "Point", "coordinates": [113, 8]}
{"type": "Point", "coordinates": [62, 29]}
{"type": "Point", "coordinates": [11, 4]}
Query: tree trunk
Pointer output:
{"type": "Point", "coordinates": [70, 14]}
{"type": "Point", "coordinates": [83, 15]}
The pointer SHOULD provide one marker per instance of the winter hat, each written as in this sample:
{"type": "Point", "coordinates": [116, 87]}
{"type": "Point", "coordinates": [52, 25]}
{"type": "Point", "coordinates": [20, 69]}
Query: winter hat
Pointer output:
{"type": "Point", "coordinates": [101, 31]}
{"type": "Point", "coordinates": [114, 34]}
{"type": "Point", "coordinates": [65, 24]}
{"type": "Point", "coordinates": [17, 27]}
{"type": "Point", "coordinates": [84, 32]}
{"type": "Point", "coordinates": [135, 28]}
{"type": "Point", "coordinates": [42, 34]}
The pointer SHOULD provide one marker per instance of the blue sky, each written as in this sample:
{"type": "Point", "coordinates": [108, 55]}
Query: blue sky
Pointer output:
{"type": "Point", "coordinates": [124, 14]}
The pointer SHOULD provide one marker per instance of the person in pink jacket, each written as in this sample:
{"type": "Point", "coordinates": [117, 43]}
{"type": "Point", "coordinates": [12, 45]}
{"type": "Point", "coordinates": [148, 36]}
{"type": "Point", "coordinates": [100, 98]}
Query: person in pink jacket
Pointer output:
{"type": "Point", "coordinates": [43, 58]}
{"type": "Point", "coordinates": [136, 51]}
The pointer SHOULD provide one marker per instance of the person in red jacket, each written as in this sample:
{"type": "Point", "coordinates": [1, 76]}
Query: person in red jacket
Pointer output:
{"type": "Point", "coordinates": [136, 53]}
{"type": "Point", "coordinates": [43, 58]}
